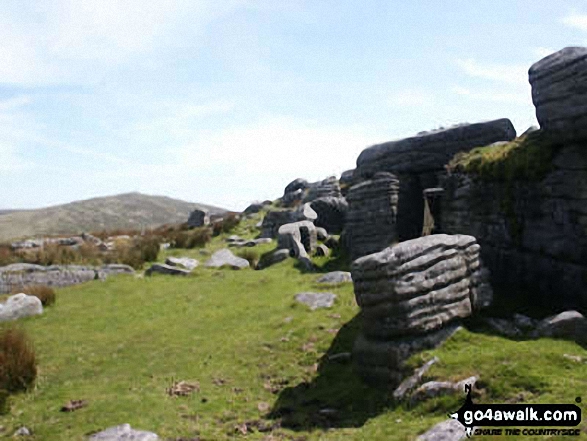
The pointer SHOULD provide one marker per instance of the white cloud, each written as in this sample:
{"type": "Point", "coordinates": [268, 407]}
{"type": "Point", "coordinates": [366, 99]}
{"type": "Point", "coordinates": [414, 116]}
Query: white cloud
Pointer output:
{"type": "Point", "coordinates": [412, 97]}
{"type": "Point", "coordinates": [493, 96]}
{"type": "Point", "coordinates": [74, 41]}
{"type": "Point", "coordinates": [575, 20]}
{"type": "Point", "coordinates": [502, 73]}
{"type": "Point", "coordinates": [14, 103]}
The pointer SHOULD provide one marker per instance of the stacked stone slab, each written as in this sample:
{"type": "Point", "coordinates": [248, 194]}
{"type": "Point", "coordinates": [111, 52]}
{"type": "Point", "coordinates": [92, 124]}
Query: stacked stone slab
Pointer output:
{"type": "Point", "coordinates": [331, 213]}
{"type": "Point", "coordinates": [559, 93]}
{"type": "Point", "coordinates": [410, 295]}
{"type": "Point", "coordinates": [371, 219]}
{"type": "Point", "coordinates": [328, 187]}
{"type": "Point", "coordinates": [198, 218]}
{"type": "Point", "coordinates": [419, 163]}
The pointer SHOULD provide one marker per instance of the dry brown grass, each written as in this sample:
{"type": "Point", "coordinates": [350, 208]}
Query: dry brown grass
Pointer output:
{"type": "Point", "coordinates": [43, 292]}
{"type": "Point", "coordinates": [18, 364]}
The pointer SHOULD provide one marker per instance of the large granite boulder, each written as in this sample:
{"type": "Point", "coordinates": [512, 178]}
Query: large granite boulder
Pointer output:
{"type": "Point", "coordinates": [19, 306]}
{"type": "Point", "coordinates": [276, 218]}
{"type": "Point", "coordinates": [331, 213]}
{"type": "Point", "coordinates": [371, 218]}
{"type": "Point", "coordinates": [559, 91]}
{"type": "Point", "coordinates": [124, 432]}
{"type": "Point", "coordinates": [570, 325]}
{"type": "Point", "coordinates": [409, 294]}
{"type": "Point", "coordinates": [224, 258]}
{"type": "Point", "coordinates": [431, 151]}
{"type": "Point", "coordinates": [198, 218]}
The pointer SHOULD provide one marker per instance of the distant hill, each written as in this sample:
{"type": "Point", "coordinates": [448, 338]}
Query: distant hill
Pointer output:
{"type": "Point", "coordinates": [129, 210]}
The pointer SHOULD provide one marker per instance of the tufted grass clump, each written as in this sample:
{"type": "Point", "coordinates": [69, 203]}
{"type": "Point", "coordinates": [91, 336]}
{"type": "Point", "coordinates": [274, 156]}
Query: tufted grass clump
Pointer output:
{"type": "Point", "coordinates": [252, 256]}
{"type": "Point", "coordinates": [18, 364]}
{"type": "Point", "coordinates": [527, 158]}
{"type": "Point", "coordinates": [44, 293]}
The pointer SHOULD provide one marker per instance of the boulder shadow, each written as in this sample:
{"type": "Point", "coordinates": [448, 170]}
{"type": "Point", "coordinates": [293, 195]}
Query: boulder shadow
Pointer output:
{"type": "Point", "coordinates": [336, 397]}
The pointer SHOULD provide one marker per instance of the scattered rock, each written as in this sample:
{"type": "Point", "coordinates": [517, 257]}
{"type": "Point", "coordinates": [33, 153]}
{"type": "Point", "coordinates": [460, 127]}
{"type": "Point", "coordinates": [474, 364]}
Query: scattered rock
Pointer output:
{"type": "Point", "coordinates": [234, 238]}
{"type": "Point", "coordinates": [316, 300]}
{"type": "Point", "coordinates": [574, 358]}
{"type": "Point", "coordinates": [185, 262]}
{"type": "Point", "coordinates": [449, 430]}
{"type": "Point", "coordinates": [183, 389]}
{"type": "Point", "coordinates": [124, 432]}
{"type": "Point", "coordinates": [321, 233]}
{"type": "Point", "coordinates": [271, 259]}
{"type": "Point", "coordinates": [434, 389]}
{"type": "Point", "coordinates": [335, 277]}
{"type": "Point", "coordinates": [569, 324]}
{"type": "Point", "coordinates": [199, 218]}
{"type": "Point", "coordinates": [410, 383]}
{"type": "Point", "coordinates": [274, 219]}
{"type": "Point", "coordinates": [167, 269]}
{"type": "Point", "coordinates": [225, 258]}
{"type": "Point", "coordinates": [322, 250]}
{"type": "Point", "coordinates": [23, 431]}
{"type": "Point", "coordinates": [74, 405]}
{"type": "Point", "coordinates": [19, 306]}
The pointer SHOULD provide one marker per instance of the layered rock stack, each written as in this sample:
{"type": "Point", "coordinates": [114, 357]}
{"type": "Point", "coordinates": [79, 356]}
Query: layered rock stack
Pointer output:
{"type": "Point", "coordinates": [419, 163]}
{"type": "Point", "coordinates": [198, 218]}
{"type": "Point", "coordinates": [559, 93]}
{"type": "Point", "coordinates": [328, 187]}
{"type": "Point", "coordinates": [371, 218]}
{"type": "Point", "coordinates": [410, 295]}
{"type": "Point", "coordinates": [300, 238]}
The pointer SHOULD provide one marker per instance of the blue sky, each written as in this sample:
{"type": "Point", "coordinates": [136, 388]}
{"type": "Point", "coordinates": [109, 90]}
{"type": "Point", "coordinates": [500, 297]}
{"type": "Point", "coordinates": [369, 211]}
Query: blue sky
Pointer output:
{"type": "Point", "coordinates": [226, 102]}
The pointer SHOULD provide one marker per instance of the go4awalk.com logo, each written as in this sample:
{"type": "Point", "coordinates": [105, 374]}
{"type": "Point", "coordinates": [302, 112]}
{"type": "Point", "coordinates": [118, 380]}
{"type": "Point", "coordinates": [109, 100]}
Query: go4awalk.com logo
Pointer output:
{"type": "Point", "coordinates": [518, 419]}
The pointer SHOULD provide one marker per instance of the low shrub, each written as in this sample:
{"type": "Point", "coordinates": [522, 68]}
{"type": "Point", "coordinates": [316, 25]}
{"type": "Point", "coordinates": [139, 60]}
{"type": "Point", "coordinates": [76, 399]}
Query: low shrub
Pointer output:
{"type": "Point", "coordinates": [226, 225]}
{"type": "Point", "coordinates": [43, 292]}
{"type": "Point", "coordinates": [250, 255]}
{"type": "Point", "coordinates": [18, 364]}
{"type": "Point", "coordinates": [199, 237]}
{"type": "Point", "coordinates": [149, 247]}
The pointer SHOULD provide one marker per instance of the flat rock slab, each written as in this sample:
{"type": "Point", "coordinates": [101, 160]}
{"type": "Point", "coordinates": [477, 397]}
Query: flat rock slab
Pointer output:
{"type": "Point", "coordinates": [273, 258]}
{"type": "Point", "coordinates": [335, 277]}
{"type": "Point", "coordinates": [124, 433]}
{"type": "Point", "coordinates": [184, 262]}
{"type": "Point", "coordinates": [166, 269]}
{"type": "Point", "coordinates": [226, 258]}
{"type": "Point", "coordinates": [316, 300]}
{"type": "Point", "coordinates": [19, 306]}
{"type": "Point", "coordinates": [449, 430]}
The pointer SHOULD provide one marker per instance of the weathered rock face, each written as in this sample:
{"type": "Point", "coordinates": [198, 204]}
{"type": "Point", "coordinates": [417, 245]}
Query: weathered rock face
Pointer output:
{"type": "Point", "coordinates": [419, 163]}
{"type": "Point", "coordinates": [559, 91]}
{"type": "Point", "coordinates": [410, 292]}
{"type": "Point", "coordinates": [21, 274]}
{"type": "Point", "coordinates": [328, 187]}
{"type": "Point", "coordinates": [296, 184]}
{"type": "Point", "coordinates": [346, 181]}
{"type": "Point", "coordinates": [276, 218]}
{"type": "Point", "coordinates": [255, 207]}
{"type": "Point", "coordinates": [371, 217]}
{"type": "Point", "coordinates": [331, 213]}
{"type": "Point", "coordinates": [533, 234]}
{"type": "Point", "coordinates": [19, 306]}
{"type": "Point", "coordinates": [198, 218]}
{"type": "Point", "coordinates": [430, 151]}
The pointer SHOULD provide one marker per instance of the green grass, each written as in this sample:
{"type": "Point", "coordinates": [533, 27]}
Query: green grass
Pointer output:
{"type": "Point", "coordinates": [527, 158]}
{"type": "Point", "coordinates": [119, 344]}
